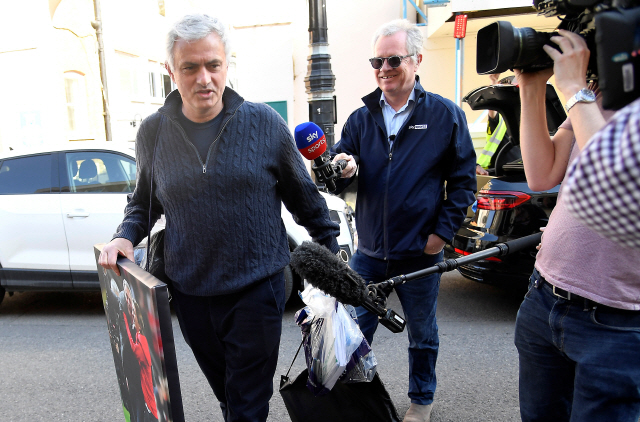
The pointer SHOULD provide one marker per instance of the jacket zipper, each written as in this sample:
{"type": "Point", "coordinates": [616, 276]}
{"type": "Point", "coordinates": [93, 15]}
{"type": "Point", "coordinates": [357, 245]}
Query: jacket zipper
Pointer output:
{"type": "Point", "coordinates": [204, 166]}
{"type": "Point", "coordinates": [386, 191]}
{"type": "Point", "coordinates": [186, 138]}
{"type": "Point", "coordinates": [386, 207]}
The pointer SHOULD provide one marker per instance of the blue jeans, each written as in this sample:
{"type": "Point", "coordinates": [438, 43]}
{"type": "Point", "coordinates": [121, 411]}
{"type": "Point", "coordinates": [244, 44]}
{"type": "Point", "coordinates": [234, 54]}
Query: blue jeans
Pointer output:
{"type": "Point", "coordinates": [577, 363]}
{"type": "Point", "coordinates": [419, 299]}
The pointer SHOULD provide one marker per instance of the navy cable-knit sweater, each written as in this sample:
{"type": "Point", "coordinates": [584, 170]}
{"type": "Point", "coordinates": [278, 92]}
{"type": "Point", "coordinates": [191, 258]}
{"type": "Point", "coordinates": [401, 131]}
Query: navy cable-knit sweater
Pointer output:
{"type": "Point", "coordinates": [223, 225]}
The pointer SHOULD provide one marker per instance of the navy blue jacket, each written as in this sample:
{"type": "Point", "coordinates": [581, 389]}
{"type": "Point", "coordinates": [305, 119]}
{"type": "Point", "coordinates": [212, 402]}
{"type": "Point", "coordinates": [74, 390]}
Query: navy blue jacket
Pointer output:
{"type": "Point", "coordinates": [423, 185]}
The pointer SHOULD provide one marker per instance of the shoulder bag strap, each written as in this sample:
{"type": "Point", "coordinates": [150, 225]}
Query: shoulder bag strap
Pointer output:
{"type": "Point", "coordinates": [155, 147]}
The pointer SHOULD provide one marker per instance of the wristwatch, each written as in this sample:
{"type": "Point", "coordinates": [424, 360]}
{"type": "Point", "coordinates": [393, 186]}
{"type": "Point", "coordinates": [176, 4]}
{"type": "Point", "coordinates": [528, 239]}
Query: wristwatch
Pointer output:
{"type": "Point", "coordinates": [583, 96]}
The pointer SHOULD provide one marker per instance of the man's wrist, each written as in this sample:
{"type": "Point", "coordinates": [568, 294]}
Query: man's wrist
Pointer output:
{"type": "Point", "coordinates": [570, 91]}
{"type": "Point", "coordinates": [443, 238]}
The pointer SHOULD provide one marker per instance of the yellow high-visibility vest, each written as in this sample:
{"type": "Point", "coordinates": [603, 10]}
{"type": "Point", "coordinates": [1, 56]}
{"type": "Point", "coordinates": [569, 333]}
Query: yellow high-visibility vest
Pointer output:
{"type": "Point", "coordinates": [493, 140]}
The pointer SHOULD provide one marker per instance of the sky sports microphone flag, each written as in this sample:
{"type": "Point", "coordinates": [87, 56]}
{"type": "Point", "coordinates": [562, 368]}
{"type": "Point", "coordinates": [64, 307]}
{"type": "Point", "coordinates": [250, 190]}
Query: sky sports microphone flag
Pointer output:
{"type": "Point", "coordinates": [310, 140]}
{"type": "Point", "coordinates": [312, 144]}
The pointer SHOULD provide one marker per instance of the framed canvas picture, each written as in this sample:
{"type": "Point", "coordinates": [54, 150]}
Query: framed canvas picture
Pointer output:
{"type": "Point", "coordinates": [136, 305]}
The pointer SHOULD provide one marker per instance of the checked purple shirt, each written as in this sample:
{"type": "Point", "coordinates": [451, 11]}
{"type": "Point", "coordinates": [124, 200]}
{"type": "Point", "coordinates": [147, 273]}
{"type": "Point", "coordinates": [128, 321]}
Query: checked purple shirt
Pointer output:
{"type": "Point", "coordinates": [602, 186]}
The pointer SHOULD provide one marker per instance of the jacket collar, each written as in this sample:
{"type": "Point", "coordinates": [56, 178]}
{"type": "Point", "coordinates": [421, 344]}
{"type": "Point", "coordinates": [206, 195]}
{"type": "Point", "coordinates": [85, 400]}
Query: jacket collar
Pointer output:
{"type": "Point", "coordinates": [372, 100]}
{"type": "Point", "coordinates": [173, 103]}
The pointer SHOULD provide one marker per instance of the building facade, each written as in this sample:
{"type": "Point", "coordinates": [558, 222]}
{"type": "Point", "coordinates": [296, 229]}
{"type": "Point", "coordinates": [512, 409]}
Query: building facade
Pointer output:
{"type": "Point", "coordinates": [50, 65]}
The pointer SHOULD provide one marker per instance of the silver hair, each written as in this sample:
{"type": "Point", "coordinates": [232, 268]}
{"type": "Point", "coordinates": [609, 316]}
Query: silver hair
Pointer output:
{"type": "Point", "coordinates": [195, 27]}
{"type": "Point", "coordinates": [414, 36]}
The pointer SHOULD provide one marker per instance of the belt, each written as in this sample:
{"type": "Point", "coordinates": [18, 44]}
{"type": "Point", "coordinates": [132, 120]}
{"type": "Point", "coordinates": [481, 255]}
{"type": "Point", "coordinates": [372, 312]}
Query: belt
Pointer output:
{"type": "Point", "coordinates": [587, 304]}
{"type": "Point", "coordinates": [568, 296]}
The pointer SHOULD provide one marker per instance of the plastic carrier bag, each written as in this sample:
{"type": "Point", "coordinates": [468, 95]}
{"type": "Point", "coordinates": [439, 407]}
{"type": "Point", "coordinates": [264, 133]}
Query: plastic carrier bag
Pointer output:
{"type": "Point", "coordinates": [333, 343]}
{"type": "Point", "coordinates": [314, 395]}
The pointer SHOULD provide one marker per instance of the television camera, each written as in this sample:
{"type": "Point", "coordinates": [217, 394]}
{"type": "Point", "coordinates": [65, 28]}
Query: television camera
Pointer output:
{"type": "Point", "coordinates": [611, 29]}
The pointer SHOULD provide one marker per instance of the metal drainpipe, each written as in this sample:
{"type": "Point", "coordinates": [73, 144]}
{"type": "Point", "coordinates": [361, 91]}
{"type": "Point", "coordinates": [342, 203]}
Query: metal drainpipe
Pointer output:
{"type": "Point", "coordinates": [97, 25]}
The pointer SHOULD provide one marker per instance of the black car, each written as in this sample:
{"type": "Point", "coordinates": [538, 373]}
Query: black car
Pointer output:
{"type": "Point", "coordinates": [506, 209]}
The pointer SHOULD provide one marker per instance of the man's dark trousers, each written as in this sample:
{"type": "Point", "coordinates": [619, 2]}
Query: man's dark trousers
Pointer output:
{"type": "Point", "coordinates": [235, 339]}
{"type": "Point", "coordinates": [419, 300]}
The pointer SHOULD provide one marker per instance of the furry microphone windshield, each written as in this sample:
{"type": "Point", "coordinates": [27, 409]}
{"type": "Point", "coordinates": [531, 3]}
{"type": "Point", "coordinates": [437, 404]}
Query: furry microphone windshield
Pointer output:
{"type": "Point", "coordinates": [324, 270]}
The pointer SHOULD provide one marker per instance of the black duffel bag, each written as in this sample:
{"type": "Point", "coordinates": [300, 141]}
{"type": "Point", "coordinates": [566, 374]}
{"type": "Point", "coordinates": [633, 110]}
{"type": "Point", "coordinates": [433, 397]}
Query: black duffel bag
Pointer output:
{"type": "Point", "coordinates": [348, 402]}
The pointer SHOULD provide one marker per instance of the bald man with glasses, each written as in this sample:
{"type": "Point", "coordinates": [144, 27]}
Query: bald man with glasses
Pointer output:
{"type": "Point", "coordinates": [416, 178]}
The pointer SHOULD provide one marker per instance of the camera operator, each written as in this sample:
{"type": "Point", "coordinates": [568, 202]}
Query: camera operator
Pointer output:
{"type": "Point", "coordinates": [578, 328]}
{"type": "Point", "coordinates": [609, 204]}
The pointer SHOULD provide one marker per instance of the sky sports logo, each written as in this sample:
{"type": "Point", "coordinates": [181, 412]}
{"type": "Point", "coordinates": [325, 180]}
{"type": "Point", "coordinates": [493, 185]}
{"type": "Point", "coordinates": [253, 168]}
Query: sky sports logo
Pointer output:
{"type": "Point", "coordinates": [312, 136]}
{"type": "Point", "coordinates": [317, 145]}
{"type": "Point", "coordinates": [418, 127]}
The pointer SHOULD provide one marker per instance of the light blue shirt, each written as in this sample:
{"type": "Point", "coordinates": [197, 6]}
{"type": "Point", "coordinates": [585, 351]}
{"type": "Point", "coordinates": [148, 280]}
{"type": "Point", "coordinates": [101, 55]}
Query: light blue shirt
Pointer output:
{"type": "Point", "coordinates": [393, 120]}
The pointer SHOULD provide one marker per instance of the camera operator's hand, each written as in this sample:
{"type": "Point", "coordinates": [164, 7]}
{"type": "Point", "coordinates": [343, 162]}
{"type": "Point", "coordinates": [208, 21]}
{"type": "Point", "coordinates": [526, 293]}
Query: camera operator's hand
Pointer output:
{"type": "Point", "coordinates": [350, 170]}
{"type": "Point", "coordinates": [570, 68]}
{"type": "Point", "coordinates": [570, 65]}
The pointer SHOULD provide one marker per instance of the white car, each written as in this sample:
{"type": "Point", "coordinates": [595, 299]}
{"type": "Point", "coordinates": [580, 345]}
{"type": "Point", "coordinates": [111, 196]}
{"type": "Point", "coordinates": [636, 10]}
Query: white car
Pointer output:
{"type": "Point", "coordinates": [56, 203]}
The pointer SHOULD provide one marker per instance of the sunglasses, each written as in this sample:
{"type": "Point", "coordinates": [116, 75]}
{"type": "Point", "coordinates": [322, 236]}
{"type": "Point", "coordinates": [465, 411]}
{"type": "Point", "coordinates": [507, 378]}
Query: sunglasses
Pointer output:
{"type": "Point", "coordinates": [394, 61]}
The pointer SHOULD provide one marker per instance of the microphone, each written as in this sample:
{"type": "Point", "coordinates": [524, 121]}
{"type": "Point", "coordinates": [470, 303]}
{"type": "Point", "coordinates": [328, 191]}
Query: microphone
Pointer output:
{"type": "Point", "coordinates": [324, 270]}
{"type": "Point", "coordinates": [312, 144]}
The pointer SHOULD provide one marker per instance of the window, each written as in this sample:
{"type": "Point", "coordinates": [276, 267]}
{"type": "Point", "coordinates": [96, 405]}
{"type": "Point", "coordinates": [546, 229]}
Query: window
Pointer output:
{"type": "Point", "coordinates": [76, 96]}
{"type": "Point", "coordinates": [95, 171]}
{"type": "Point", "coordinates": [26, 175]}
{"type": "Point", "coordinates": [160, 83]}
{"type": "Point", "coordinates": [152, 84]}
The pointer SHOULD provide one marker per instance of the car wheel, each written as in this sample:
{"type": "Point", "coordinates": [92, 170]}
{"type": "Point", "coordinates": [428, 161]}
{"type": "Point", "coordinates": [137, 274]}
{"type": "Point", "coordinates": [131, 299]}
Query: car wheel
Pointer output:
{"type": "Point", "coordinates": [1, 294]}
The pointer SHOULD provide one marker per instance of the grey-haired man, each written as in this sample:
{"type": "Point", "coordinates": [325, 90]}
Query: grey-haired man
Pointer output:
{"type": "Point", "coordinates": [408, 143]}
{"type": "Point", "coordinates": [222, 168]}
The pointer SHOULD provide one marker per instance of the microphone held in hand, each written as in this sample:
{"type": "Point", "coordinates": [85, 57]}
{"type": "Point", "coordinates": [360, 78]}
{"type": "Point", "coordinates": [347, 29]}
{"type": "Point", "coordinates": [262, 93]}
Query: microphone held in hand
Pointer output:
{"type": "Point", "coordinates": [312, 144]}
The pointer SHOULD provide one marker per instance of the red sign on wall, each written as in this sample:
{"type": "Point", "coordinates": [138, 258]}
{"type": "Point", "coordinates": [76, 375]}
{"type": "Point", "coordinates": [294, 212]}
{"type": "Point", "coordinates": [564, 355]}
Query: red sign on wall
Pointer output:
{"type": "Point", "coordinates": [460, 29]}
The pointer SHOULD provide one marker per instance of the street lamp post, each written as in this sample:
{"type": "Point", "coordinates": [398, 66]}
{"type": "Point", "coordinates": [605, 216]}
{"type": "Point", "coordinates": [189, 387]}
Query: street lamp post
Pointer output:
{"type": "Point", "coordinates": [320, 80]}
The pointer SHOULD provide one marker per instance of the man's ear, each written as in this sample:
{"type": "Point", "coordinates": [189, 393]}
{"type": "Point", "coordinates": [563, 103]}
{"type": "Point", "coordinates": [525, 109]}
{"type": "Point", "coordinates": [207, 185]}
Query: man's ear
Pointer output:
{"type": "Point", "coordinates": [418, 60]}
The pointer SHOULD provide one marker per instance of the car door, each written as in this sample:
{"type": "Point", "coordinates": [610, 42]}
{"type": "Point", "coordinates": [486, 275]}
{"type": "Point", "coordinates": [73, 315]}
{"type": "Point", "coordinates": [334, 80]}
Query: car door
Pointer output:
{"type": "Point", "coordinates": [33, 248]}
{"type": "Point", "coordinates": [93, 199]}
